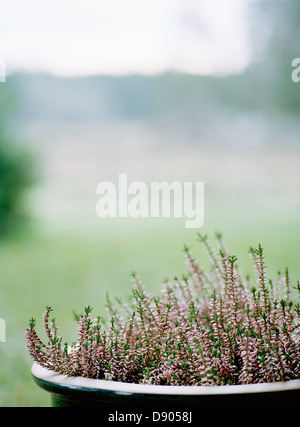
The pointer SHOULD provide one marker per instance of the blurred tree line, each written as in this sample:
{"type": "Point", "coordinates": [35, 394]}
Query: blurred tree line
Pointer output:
{"type": "Point", "coordinates": [275, 36]}
{"type": "Point", "coordinates": [265, 86]}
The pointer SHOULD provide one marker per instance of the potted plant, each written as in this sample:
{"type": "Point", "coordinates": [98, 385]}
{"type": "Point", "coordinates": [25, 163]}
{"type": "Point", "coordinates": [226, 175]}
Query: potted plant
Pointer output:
{"type": "Point", "coordinates": [210, 338]}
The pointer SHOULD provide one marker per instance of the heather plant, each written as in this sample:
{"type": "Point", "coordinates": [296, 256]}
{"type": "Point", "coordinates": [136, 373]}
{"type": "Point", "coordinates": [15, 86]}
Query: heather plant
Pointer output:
{"type": "Point", "coordinates": [212, 327]}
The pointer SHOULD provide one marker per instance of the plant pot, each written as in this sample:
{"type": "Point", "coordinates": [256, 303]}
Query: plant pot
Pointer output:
{"type": "Point", "coordinates": [85, 392]}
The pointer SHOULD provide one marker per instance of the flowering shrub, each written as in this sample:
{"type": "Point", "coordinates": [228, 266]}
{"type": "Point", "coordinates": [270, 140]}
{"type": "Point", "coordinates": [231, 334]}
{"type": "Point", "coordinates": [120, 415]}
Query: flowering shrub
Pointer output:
{"type": "Point", "coordinates": [208, 328]}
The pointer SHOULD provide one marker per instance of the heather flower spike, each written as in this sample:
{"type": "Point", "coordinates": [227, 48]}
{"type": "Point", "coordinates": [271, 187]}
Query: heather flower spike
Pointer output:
{"type": "Point", "coordinates": [209, 327]}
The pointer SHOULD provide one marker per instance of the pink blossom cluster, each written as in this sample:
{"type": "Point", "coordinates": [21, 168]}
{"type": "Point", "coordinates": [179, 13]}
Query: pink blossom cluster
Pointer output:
{"type": "Point", "coordinates": [212, 327]}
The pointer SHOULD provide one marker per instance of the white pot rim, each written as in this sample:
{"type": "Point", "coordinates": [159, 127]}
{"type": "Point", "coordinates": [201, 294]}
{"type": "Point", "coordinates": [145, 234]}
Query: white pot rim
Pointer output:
{"type": "Point", "coordinates": [44, 374]}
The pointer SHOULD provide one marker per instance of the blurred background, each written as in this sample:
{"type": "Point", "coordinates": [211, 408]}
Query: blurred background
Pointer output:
{"type": "Point", "coordinates": [173, 90]}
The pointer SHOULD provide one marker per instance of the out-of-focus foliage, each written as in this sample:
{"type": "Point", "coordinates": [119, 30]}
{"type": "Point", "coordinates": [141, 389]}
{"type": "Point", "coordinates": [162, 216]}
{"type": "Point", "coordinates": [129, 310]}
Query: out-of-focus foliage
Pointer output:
{"type": "Point", "coordinates": [276, 42]}
{"type": "Point", "coordinates": [16, 169]}
{"type": "Point", "coordinates": [16, 176]}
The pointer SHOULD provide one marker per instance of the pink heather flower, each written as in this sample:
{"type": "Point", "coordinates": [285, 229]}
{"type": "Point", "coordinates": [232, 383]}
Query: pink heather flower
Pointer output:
{"type": "Point", "coordinates": [208, 328]}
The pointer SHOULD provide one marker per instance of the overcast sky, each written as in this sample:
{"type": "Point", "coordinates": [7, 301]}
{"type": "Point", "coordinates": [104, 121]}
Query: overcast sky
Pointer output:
{"type": "Point", "coordinates": [82, 37]}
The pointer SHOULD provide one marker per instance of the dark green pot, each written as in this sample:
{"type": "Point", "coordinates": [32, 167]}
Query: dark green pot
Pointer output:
{"type": "Point", "coordinates": [84, 392]}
